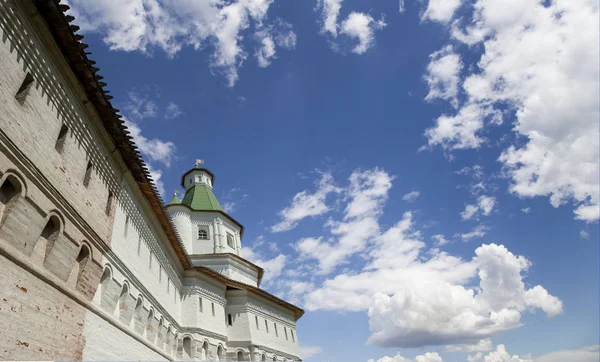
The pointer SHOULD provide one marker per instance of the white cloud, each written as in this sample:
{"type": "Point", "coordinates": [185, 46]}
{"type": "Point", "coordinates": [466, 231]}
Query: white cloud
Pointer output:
{"type": "Point", "coordinates": [482, 346]}
{"type": "Point", "coordinates": [441, 10]}
{"type": "Point", "coordinates": [280, 35]}
{"type": "Point", "coordinates": [173, 111]}
{"type": "Point", "coordinates": [484, 206]}
{"type": "Point", "coordinates": [584, 234]}
{"type": "Point", "coordinates": [542, 66]}
{"type": "Point", "coordinates": [266, 51]}
{"type": "Point", "coordinates": [478, 232]}
{"type": "Point", "coordinates": [330, 11]}
{"type": "Point", "coordinates": [367, 192]}
{"type": "Point", "coordinates": [584, 354]}
{"type": "Point", "coordinates": [526, 210]}
{"type": "Point", "coordinates": [362, 27]}
{"type": "Point", "coordinates": [146, 25]}
{"type": "Point", "coordinates": [306, 205]}
{"type": "Point", "coordinates": [440, 240]}
{"type": "Point", "coordinates": [139, 105]}
{"type": "Point", "coordinates": [357, 25]}
{"type": "Point", "coordinates": [155, 149]}
{"type": "Point", "coordinates": [411, 196]}
{"type": "Point", "coordinates": [273, 267]}
{"type": "Point", "coordinates": [415, 296]}
{"type": "Point", "coordinates": [443, 75]}
{"type": "Point", "coordinates": [309, 351]}
{"type": "Point", "coordinates": [156, 177]}
{"type": "Point", "coordinates": [427, 357]}
{"type": "Point", "coordinates": [469, 212]}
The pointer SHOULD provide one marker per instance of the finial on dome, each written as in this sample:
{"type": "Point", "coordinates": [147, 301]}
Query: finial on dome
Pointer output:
{"type": "Point", "coordinates": [199, 162]}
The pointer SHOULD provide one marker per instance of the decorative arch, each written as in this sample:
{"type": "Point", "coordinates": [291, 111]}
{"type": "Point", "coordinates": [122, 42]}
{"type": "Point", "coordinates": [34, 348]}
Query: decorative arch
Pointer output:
{"type": "Point", "coordinates": [204, 350]}
{"type": "Point", "coordinates": [239, 355]}
{"type": "Point", "coordinates": [148, 327]}
{"type": "Point", "coordinates": [264, 357]}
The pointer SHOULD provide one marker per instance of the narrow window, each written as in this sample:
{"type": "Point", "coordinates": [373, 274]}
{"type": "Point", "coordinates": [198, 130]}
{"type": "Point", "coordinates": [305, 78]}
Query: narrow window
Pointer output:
{"type": "Point", "coordinates": [122, 299]}
{"type": "Point", "coordinates": [202, 233]}
{"type": "Point", "coordinates": [276, 332]}
{"type": "Point", "coordinates": [187, 348]}
{"type": "Point", "coordinates": [159, 273]}
{"type": "Point", "coordinates": [49, 234]}
{"type": "Point", "coordinates": [62, 136]}
{"type": "Point", "coordinates": [230, 241]}
{"type": "Point", "coordinates": [200, 307]}
{"type": "Point", "coordinates": [292, 332]}
{"type": "Point", "coordinates": [127, 227]}
{"type": "Point", "coordinates": [285, 331]}
{"type": "Point", "coordinates": [150, 261]}
{"type": "Point", "coordinates": [88, 174]}
{"type": "Point", "coordinates": [109, 202]}
{"type": "Point", "coordinates": [256, 320]}
{"type": "Point", "coordinates": [9, 194]}
{"type": "Point", "coordinates": [229, 321]}
{"type": "Point", "coordinates": [24, 89]}
{"type": "Point", "coordinates": [82, 259]}
{"type": "Point", "coordinates": [213, 308]}
{"type": "Point", "coordinates": [240, 356]}
{"type": "Point", "coordinates": [266, 326]}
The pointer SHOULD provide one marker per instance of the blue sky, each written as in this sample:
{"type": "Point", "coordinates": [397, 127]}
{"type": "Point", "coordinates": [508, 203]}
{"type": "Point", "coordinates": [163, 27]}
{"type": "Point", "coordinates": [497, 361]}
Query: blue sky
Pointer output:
{"type": "Point", "coordinates": [421, 177]}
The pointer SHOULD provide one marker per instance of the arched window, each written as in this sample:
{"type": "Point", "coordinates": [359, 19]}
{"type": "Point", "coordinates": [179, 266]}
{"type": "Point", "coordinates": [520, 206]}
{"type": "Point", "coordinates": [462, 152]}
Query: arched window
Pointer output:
{"type": "Point", "coordinates": [122, 299]}
{"type": "Point", "coordinates": [148, 329]}
{"type": "Point", "coordinates": [187, 348]}
{"type": "Point", "coordinates": [204, 355]}
{"type": "Point", "coordinates": [136, 319]}
{"type": "Point", "coordinates": [9, 194]}
{"type": "Point", "coordinates": [264, 357]}
{"type": "Point", "coordinates": [202, 233]}
{"type": "Point", "coordinates": [274, 358]}
{"type": "Point", "coordinates": [240, 356]}
{"type": "Point", "coordinates": [48, 236]}
{"type": "Point", "coordinates": [159, 336]}
{"type": "Point", "coordinates": [220, 353]}
{"type": "Point", "coordinates": [82, 259]}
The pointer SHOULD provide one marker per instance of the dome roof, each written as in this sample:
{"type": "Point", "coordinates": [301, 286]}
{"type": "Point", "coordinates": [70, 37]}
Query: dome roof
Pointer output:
{"type": "Point", "coordinates": [201, 197]}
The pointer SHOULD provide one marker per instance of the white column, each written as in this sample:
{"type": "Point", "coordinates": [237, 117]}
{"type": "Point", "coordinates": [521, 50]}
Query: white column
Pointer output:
{"type": "Point", "coordinates": [238, 243]}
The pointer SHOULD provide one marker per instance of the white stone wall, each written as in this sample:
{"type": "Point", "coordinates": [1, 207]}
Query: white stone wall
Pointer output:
{"type": "Point", "coordinates": [229, 266]}
{"type": "Point", "coordinates": [131, 300]}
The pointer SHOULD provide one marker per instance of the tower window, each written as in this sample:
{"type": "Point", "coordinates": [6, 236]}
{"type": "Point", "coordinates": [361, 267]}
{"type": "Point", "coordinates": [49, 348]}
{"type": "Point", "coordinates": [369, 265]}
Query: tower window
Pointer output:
{"type": "Point", "coordinates": [230, 241]}
{"type": "Point", "coordinates": [88, 174]}
{"type": "Point", "coordinates": [202, 233]}
{"type": "Point", "coordinates": [285, 331]}
{"type": "Point", "coordinates": [256, 320]}
{"type": "Point", "coordinates": [62, 136]}
{"type": "Point", "coordinates": [292, 332]}
{"type": "Point", "coordinates": [213, 308]}
{"type": "Point", "coordinates": [267, 326]}
{"type": "Point", "coordinates": [24, 89]}
{"type": "Point", "coordinates": [200, 308]}
{"type": "Point", "coordinates": [229, 320]}
{"type": "Point", "coordinates": [276, 332]}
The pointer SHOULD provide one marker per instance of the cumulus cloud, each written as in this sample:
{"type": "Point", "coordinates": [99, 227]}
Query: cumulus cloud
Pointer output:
{"type": "Point", "coordinates": [411, 196]}
{"type": "Point", "coordinates": [414, 295]}
{"type": "Point", "coordinates": [148, 25]}
{"type": "Point", "coordinates": [367, 192]}
{"type": "Point", "coordinates": [155, 149]}
{"type": "Point", "coordinates": [305, 204]}
{"type": "Point", "coordinates": [500, 354]}
{"type": "Point", "coordinates": [478, 232]}
{"type": "Point", "coordinates": [440, 240]}
{"type": "Point", "coordinates": [358, 25]}
{"type": "Point", "coordinates": [281, 34]}
{"type": "Point", "coordinates": [539, 70]}
{"type": "Point", "coordinates": [440, 10]}
{"type": "Point", "coordinates": [442, 75]}
{"type": "Point", "coordinates": [482, 346]}
{"type": "Point", "coordinates": [427, 357]}
{"type": "Point", "coordinates": [584, 234]}
{"type": "Point", "coordinates": [526, 210]}
{"type": "Point", "coordinates": [273, 267]}
{"type": "Point", "coordinates": [362, 27]}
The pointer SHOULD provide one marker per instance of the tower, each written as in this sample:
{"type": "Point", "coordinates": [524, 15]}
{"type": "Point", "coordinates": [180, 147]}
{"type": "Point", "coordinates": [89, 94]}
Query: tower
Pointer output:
{"type": "Point", "coordinates": [212, 238]}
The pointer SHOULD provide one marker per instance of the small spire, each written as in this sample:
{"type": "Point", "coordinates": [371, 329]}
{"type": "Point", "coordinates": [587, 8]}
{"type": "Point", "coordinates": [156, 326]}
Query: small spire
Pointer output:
{"type": "Point", "coordinates": [175, 199]}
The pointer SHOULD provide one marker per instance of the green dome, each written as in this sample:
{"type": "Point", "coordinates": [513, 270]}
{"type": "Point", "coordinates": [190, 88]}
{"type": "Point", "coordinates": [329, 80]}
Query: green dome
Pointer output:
{"type": "Point", "coordinates": [174, 200]}
{"type": "Point", "coordinates": [201, 197]}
